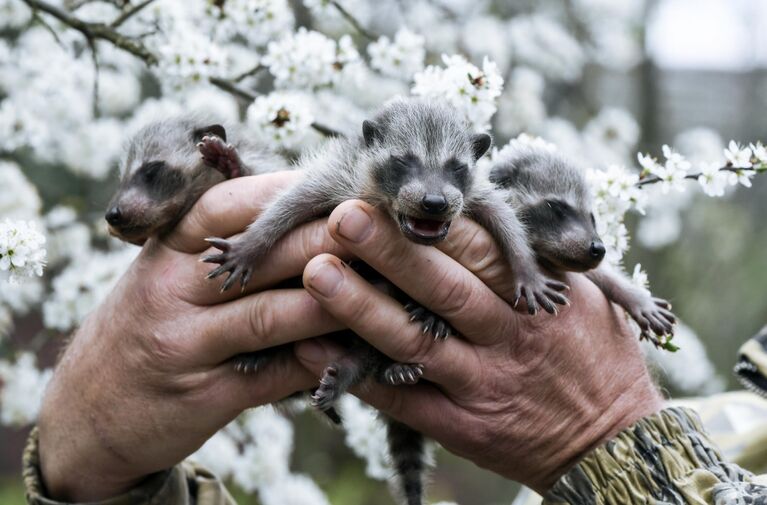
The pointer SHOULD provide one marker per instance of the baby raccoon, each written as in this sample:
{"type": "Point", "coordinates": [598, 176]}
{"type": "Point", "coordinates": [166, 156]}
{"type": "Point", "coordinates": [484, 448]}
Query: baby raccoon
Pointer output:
{"type": "Point", "coordinates": [169, 164]}
{"type": "Point", "coordinates": [551, 197]}
{"type": "Point", "coordinates": [416, 161]}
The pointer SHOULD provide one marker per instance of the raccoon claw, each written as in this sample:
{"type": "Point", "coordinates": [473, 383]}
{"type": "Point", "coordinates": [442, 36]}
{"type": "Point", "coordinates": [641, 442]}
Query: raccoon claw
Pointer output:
{"type": "Point", "coordinates": [217, 154]}
{"type": "Point", "coordinates": [398, 374]}
{"type": "Point", "coordinates": [653, 316]}
{"type": "Point", "coordinates": [541, 296]}
{"type": "Point", "coordinates": [249, 363]}
{"type": "Point", "coordinates": [327, 393]}
{"type": "Point", "coordinates": [430, 322]}
{"type": "Point", "coordinates": [230, 260]}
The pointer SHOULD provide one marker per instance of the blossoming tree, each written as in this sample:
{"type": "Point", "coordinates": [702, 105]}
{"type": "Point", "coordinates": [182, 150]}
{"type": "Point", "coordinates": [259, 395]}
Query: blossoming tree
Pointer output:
{"type": "Point", "coordinates": [78, 76]}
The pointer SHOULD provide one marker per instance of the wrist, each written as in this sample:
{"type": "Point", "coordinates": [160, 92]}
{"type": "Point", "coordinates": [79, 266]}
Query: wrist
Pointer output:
{"type": "Point", "coordinates": [640, 400]}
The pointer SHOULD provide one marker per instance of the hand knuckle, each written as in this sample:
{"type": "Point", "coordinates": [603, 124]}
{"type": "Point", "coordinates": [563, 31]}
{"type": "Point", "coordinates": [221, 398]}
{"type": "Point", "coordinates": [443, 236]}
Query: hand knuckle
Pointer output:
{"type": "Point", "coordinates": [480, 252]}
{"type": "Point", "coordinates": [452, 294]}
{"type": "Point", "coordinates": [261, 320]}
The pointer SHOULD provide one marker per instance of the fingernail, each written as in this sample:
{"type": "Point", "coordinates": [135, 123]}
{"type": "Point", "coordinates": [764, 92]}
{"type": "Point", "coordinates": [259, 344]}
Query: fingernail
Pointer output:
{"type": "Point", "coordinates": [355, 225]}
{"type": "Point", "coordinates": [326, 279]}
{"type": "Point", "coordinates": [311, 351]}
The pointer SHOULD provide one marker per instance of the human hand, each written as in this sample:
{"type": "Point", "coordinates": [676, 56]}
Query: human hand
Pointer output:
{"type": "Point", "coordinates": [523, 396]}
{"type": "Point", "coordinates": [145, 380]}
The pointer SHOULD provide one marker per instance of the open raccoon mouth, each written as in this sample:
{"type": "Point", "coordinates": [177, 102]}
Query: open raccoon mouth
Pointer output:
{"type": "Point", "coordinates": [422, 230]}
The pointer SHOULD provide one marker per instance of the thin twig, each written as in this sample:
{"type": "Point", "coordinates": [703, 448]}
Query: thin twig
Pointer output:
{"type": "Point", "coordinates": [353, 21]}
{"type": "Point", "coordinates": [96, 74]}
{"type": "Point", "coordinates": [654, 178]}
{"type": "Point", "coordinates": [125, 16]}
{"type": "Point", "coordinates": [96, 31]}
{"type": "Point", "coordinates": [253, 71]}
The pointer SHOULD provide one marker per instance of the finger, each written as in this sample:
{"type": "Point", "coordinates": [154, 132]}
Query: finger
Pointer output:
{"type": "Point", "coordinates": [227, 208]}
{"type": "Point", "coordinates": [286, 260]}
{"type": "Point", "coordinates": [426, 274]}
{"type": "Point", "coordinates": [473, 247]}
{"type": "Point", "coordinates": [260, 321]}
{"type": "Point", "coordinates": [421, 406]}
{"type": "Point", "coordinates": [385, 323]}
{"type": "Point", "coordinates": [233, 392]}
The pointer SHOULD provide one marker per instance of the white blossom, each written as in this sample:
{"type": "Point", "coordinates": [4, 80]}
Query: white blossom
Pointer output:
{"type": "Point", "coordinates": [22, 251]}
{"type": "Point", "coordinates": [400, 58]}
{"type": "Point", "coordinates": [18, 198]}
{"type": "Point", "coordinates": [739, 157]}
{"type": "Point", "coordinates": [639, 277]}
{"type": "Point", "coordinates": [119, 92]}
{"type": "Point", "coordinates": [542, 43]}
{"type": "Point", "coordinates": [611, 135]}
{"type": "Point", "coordinates": [366, 436]}
{"type": "Point", "coordinates": [258, 21]}
{"type": "Point", "coordinates": [760, 152]}
{"type": "Point", "coordinates": [190, 57]}
{"type": "Point", "coordinates": [464, 86]}
{"type": "Point", "coordinates": [521, 107]}
{"type": "Point", "coordinates": [22, 390]}
{"type": "Point", "coordinates": [712, 179]}
{"type": "Point", "coordinates": [14, 14]}
{"type": "Point", "coordinates": [81, 286]}
{"type": "Point", "coordinates": [93, 149]}
{"type": "Point", "coordinates": [700, 145]}
{"type": "Point", "coordinates": [284, 118]}
{"type": "Point", "coordinates": [293, 490]}
{"type": "Point", "coordinates": [308, 59]}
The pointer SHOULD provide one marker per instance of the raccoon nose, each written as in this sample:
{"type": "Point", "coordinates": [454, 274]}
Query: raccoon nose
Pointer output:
{"type": "Point", "coordinates": [114, 216]}
{"type": "Point", "coordinates": [434, 204]}
{"type": "Point", "coordinates": [597, 250]}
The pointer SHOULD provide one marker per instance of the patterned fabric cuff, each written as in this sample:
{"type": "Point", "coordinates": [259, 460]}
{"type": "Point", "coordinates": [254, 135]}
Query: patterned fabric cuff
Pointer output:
{"type": "Point", "coordinates": [158, 488]}
{"type": "Point", "coordinates": [664, 458]}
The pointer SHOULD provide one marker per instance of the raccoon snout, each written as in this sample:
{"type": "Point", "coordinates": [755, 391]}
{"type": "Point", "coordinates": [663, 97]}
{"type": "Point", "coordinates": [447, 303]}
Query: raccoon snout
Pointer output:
{"type": "Point", "coordinates": [114, 216]}
{"type": "Point", "coordinates": [597, 250]}
{"type": "Point", "coordinates": [434, 204]}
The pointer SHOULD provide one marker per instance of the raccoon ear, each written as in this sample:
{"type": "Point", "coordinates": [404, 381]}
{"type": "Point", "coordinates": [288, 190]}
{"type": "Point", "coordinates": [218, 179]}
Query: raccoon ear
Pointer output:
{"type": "Point", "coordinates": [371, 132]}
{"type": "Point", "coordinates": [215, 129]}
{"type": "Point", "coordinates": [503, 175]}
{"type": "Point", "coordinates": [480, 143]}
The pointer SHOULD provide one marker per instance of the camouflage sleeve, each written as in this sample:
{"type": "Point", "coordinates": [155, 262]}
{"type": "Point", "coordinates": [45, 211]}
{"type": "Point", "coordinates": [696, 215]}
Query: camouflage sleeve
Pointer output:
{"type": "Point", "coordinates": [665, 458]}
{"type": "Point", "coordinates": [184, 484]}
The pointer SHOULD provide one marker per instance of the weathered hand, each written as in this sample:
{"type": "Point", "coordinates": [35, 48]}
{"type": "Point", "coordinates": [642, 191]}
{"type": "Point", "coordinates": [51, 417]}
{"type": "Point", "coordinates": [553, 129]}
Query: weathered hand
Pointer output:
{"type": "Point", "coordinates": [522, 396]}
{"type": "Point", "coordinates": [145, 380]}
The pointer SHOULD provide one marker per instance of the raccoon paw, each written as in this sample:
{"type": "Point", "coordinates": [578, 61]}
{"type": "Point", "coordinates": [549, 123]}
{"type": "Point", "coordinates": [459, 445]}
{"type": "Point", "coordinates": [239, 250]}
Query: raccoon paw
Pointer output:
{"type": "Point", "coordinates": [653, 314]}
{"type": "Point", "coordinates": [430, 322]}
{"type": "Point", "coordinates": [398, 374]}
{"type": "Point", "coordinates": [540, 292]}
{"type": "Point", "coordinates": [233, 259]}
{"type": "Point", "coordinates": [329, 390]}
{"type": "Point", "coordinates": [217, 154]}
{"type": "Point", "coordinates": [249, 363]}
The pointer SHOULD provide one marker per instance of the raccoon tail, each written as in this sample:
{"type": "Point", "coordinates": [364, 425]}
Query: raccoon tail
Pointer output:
{"type": "Point", "coordinates": [406, 447]}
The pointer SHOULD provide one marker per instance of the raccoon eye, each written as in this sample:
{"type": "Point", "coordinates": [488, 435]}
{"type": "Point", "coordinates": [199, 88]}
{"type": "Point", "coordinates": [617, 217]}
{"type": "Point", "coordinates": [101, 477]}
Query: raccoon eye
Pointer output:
{"type": "Point", "coordinates": [558, 208]}
{"type": "Point", "coordinates": [460, 167]}
{"type": "Point", "coordinates": [593, 221]}
{"type": "Point", "coordinates": [150, 171]}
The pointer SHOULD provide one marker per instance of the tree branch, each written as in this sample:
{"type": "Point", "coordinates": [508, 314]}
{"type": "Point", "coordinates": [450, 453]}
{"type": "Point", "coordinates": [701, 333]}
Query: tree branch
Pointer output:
{"type": "Point", "coordinates": [125, 16]}
{"type": "Point", "coordinates": [353, 21]}
{"type": "Point", "coordinates": [655, 179]}
{"type": "Point", "coordinates": [231, 87]}
{"type": "Point", "coordinates": [96, 31]}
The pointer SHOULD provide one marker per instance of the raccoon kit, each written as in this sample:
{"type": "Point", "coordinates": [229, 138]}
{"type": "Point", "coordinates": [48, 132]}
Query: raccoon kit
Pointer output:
{"type": "Point", "coordinates": [415, 160]}
{"type": "Point", "coordinates": [552, 199]}
{"type": "Point", "coordinates": [169, 164]}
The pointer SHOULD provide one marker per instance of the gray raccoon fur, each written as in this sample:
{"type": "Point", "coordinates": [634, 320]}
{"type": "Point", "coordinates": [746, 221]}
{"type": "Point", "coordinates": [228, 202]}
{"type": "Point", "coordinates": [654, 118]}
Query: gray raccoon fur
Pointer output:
{"type": "Point", "coordinates": [552, 198]}
{"type": "Point", "coordinates": [170, 163]}
{"type": "Point", "coordinates": [416, 161]}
